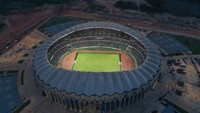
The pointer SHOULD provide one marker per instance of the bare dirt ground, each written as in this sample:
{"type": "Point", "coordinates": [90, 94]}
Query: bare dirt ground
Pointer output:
{"type": "Point", "coordinates": [129, 22]}
{"type": "Point", "coordinates": [126, 61]}
{"type": "Point", "coordinates": [17, 23]}
{"type": "Point", "coordinates": [16, 53]}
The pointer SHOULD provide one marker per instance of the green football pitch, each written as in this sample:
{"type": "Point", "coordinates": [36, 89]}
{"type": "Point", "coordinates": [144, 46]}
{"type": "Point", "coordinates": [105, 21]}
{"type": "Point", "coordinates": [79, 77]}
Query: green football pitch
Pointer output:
{"type": "Point", "coordinates": [97, 62]}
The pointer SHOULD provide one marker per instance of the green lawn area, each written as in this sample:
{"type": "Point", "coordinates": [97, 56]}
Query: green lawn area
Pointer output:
{"type": "Point", "coordinates": [54, 21]}
{"type": "Point", "coordinates": [2, 26]}
{"type": "Point", "coordinates": [97, 62]}
{"type": "Point", "coordinates": [181, 83]}
{"type": "Point", "coordinates": [192, 44]}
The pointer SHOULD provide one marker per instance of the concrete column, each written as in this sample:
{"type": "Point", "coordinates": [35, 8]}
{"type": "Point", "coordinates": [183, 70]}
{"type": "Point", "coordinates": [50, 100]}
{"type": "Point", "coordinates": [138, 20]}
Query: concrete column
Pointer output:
{"type": "Point", "coordinates": [57, 96]}
{"type": "Point", "coordinates": [79, 103]}
{"type": "Point", "coordinates": [100, 105]}
{"type": "Point", "coordinates": [84, 106]}
{"type": "Point", "coordinates": [48, 94]}
{"type": "Point", "coordinates": [65, 102]}
{"type": "Point", "coordinates": [89, 106]}
{"type": "Point", "coordinates": [52, 96]}
{"type": "Point", "coordinates": [135, 99]}
{"type": "Point", "coordinates": [74, 102]}
{"type": "Point", "coordinates": [104, 106]}
{"type": "Point", "coordinates": [115, 105]}
{"type": "Point", "coordinates": [70, 104]}
{"type": "Point", "coordinates": [128, 100]}
{"type": "Point", "coordinates": [110, 105]}
{"type": "Point", "coordinates": [55, 99]}
{"type": "Point", "coordinates": [120, 101]}
{"type": "Point", "coordinates": [124, 101]}
{"type": "Point", "coordinates": [60, 99]}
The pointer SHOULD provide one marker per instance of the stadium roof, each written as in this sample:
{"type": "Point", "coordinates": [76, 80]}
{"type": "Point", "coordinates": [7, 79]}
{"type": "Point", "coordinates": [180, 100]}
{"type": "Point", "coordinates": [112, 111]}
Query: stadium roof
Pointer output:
{"type": "Point", "coordinates": [97, 83]}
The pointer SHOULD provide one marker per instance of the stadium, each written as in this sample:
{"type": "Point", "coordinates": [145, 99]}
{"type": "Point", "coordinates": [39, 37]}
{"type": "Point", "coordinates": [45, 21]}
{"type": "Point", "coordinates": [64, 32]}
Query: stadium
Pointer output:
{"type": "Point", "coordinates": [97, 67]}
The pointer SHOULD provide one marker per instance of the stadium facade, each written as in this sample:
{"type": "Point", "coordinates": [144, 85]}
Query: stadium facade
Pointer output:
{"type": "Point", "coordinates": [97, 91]}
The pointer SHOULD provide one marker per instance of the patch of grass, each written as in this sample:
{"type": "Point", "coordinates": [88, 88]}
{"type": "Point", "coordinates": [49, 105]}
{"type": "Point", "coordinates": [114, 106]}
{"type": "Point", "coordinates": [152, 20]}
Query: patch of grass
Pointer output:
{"type": "Point", "coordinates": [2, 26]}
{"type": "Point", "coordinates": [1, 72]}
{"type": "Point", "coordinates": [7, 6]}
{"type": "Point", "coordinates": [34, 47]}
{"type": "Point", "coordinates": [97, 62]}
{"type": "Point", "coordinates": [20, 5]}
{"type": "Point", "coordinates": [178, 92]}
{"type": "Point", "coordinates": [96, 8]}
{"type": "Point", "coordinates": [180, 83]}
{"type": "Point", "coordinates": [20, 61]}
{"type": "Point", "coordinates": [192, 44]}
{"type": "Point", "coordinates": [25, 55]}
{"type": "Point", "coordinates": [54, 21]}
{"type": "Point", "coordinates": [123, 5]}
{"type": "Point", "coordinates": [148, 9]}
{"type": "Point", "coordinates": [178, 7]}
